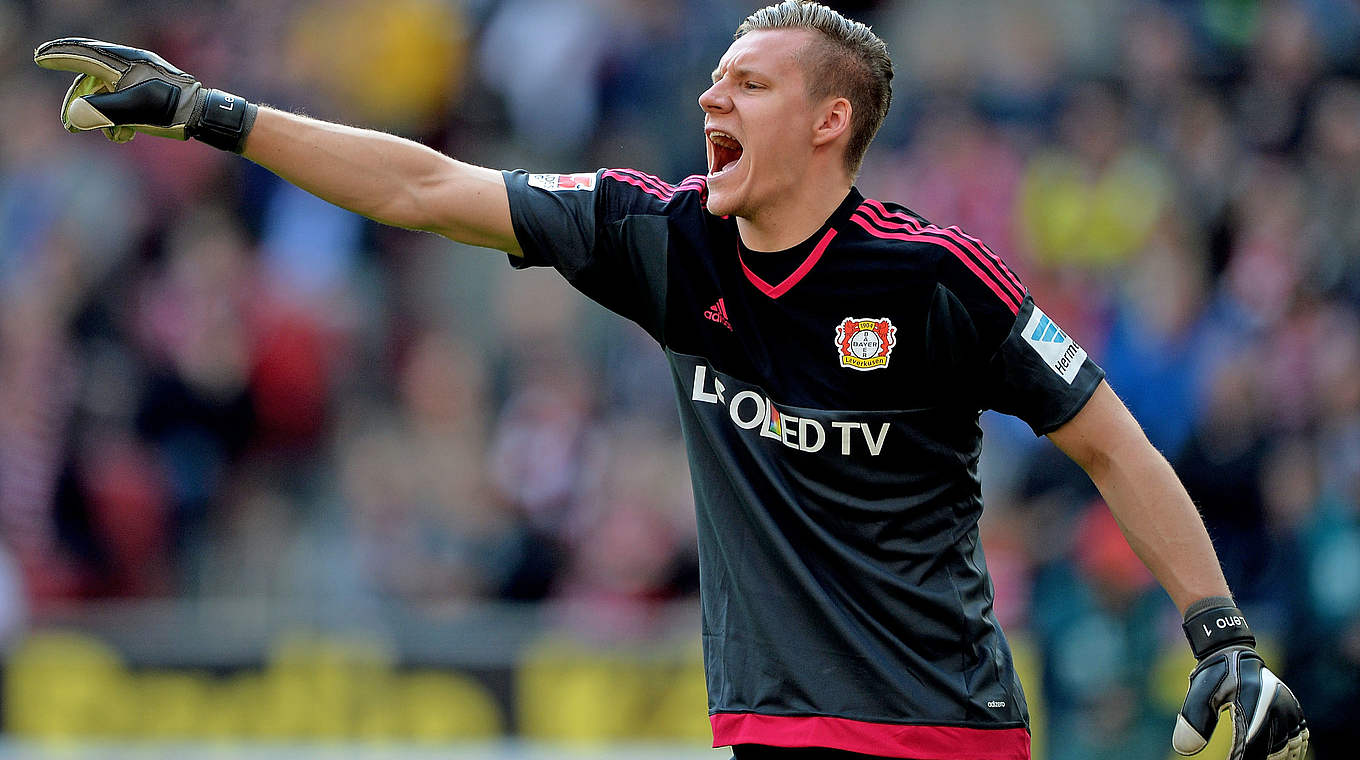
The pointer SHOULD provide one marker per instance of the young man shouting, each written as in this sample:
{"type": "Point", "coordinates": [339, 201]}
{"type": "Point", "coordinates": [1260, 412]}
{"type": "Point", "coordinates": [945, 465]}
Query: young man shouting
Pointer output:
{"type": "Point", "coordinates": [831, 354]}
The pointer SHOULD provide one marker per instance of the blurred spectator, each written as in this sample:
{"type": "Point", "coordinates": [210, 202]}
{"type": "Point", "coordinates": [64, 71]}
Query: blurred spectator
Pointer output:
{"type": "Point", "coordinates": [1282, 68]}
{"type": "Point", "coordinates": [1332, 185]}
{"type": "Point", "coordinates": [1096, 616]}
{"type": "Point", "coordinates": [197, 408]}
{"type": "Point", "coordinates": [393, 64]}
{"type": "Point", "coordinates": [416, 482]}
{"type": "Point", "coordinates": [1220, 465]}
{"type": "Point", "coordinates": [1322, 629]}
{"type": "Point", "coordinates": [1198, 132]}
{"type": "Point", "coordinates": [1155, 346]}
{"type": "Point", "coordinates": [635, 544]}
{"type": "Point", "coordinates": [1263, 269]}
{"type": "Point", "coordinates": [545, 58]}
{"type": "Point", "coordinates": [1091, 200]}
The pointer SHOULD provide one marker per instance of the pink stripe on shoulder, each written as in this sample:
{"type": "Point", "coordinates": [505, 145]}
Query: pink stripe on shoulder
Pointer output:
{"type": "Point", "coordinates": [655, 186]}
{"type": "Point", "coordinates": [902, 232]}
{"type": "Point", "coordinates": [953, 231]}
{"type": "Point", "coordinates": [650, 186]}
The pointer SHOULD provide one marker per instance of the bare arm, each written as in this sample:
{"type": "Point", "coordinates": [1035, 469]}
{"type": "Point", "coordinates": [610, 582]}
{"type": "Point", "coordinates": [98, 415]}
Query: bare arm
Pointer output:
{"type": "Point", "coordinates": [1147, 499]}
{"type": "Point", "coordinates": [386, 178]}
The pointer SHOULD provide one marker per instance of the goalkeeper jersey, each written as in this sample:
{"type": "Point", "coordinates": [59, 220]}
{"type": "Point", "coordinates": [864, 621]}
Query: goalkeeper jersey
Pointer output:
{"type": "Point", "coordinates": [829, 397]}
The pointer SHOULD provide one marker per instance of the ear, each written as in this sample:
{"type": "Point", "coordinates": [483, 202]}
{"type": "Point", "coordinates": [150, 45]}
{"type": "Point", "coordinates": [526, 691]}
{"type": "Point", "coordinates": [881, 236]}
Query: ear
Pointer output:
{"type": "Point", "coordinates": [832, 122]}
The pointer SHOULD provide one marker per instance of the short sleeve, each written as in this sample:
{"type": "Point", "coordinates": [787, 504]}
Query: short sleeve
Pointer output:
{"type": "Point", "coordinates": [575, 224]}
{"type": "Point", "coordinates": [1040, 373]}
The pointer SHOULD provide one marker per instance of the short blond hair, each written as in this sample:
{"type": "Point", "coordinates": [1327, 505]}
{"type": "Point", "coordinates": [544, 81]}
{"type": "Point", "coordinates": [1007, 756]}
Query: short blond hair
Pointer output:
{"type": "Point", "coordinates": [848, 60]}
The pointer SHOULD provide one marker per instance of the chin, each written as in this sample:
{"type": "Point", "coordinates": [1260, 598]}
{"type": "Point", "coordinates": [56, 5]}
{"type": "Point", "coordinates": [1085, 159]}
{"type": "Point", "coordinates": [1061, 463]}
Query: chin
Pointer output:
{"type": "Point", "coordinates": [720, 205]}
{"type": "Point", "coordinates": [723, 202]}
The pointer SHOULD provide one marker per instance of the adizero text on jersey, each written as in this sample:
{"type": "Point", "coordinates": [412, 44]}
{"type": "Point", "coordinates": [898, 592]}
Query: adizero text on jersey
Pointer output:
{"type": "Point", "coordinates": [829, 397]}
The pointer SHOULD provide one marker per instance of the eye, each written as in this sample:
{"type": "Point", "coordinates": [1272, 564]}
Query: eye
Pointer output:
{"type": "Point", "coordinates": [748, 85]}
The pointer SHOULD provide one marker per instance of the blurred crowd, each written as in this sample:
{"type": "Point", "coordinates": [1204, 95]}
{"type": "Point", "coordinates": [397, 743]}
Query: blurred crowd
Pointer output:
{"type": "Point", "coordinates": [212, 384]}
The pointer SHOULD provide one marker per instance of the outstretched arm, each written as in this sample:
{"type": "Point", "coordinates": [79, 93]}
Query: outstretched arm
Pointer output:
{"type": "Point", "coordinates": [384, 177]}
{"type": "Point", "coordinates": [124, 90]}
{"type": "Point", "coordinates": [1148, 501]}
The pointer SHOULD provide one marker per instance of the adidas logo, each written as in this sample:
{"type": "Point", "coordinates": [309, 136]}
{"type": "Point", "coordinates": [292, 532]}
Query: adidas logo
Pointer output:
{"type": "Point", "coordinates": [1047, 332]}
{"type": "Point", "coordinates": [718, 313]}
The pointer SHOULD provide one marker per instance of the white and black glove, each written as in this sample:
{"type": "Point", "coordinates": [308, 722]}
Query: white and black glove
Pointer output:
{"type": "Point", "coordinates": [1267, 720]}
{"type": "Point", "coordinates": [124, 90]}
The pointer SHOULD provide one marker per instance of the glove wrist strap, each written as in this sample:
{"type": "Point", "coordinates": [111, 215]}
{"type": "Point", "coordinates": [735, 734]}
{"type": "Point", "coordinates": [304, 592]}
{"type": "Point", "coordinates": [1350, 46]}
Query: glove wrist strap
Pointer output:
{"type": "Point", "coordinates": [1217, 627]}
{"type": "Point", "coordinates": [222, 120]}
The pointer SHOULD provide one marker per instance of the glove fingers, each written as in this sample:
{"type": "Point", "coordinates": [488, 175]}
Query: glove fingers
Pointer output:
{"type": "Point", "coordinates": [1199, 715]}
{"type": "Point", "coordinates": [1295, 749]}
{"type": "Point", "coordinates": [1187, 739]}
{"type": "Point", "coordinates": [76, 113]}
{"type": "Point", "coordinates": [151, 102]}
{"type": "Point", "coordinates": [112, 56]}
{"type": "Point", "coordinates": [78, 54]}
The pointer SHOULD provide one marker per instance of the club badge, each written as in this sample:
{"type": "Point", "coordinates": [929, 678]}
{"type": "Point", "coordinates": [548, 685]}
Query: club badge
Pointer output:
{"type": "Point", "coordinates": [865, 344]}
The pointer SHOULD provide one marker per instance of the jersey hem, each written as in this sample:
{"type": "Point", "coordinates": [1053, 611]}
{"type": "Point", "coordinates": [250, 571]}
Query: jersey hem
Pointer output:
{"type": "Point", "coordinates": [920, 742]}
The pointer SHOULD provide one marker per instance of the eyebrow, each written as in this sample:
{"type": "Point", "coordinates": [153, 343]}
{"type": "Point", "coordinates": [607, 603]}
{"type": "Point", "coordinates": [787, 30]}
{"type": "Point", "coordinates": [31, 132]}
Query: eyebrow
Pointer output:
{"type": "Point", "coordinates": [739, 72]}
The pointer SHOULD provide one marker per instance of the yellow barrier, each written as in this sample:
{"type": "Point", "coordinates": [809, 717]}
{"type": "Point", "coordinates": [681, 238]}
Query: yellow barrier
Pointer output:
{"type": "Point", "coordinates": [69, 686]}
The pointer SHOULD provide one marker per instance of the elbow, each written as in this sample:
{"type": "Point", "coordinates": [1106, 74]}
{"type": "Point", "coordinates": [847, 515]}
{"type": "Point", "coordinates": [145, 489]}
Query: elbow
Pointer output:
{"type": "Point", "coordinates": [1102, 436]}
{"type": "Point", "coordinates": [407, 209]}
{"type": "Point", "coordinates": [415, 198]}
{"type": "Point", "coordinates": [1116, 456]}
{"type": "Point", "coordinates": [1097, 461]}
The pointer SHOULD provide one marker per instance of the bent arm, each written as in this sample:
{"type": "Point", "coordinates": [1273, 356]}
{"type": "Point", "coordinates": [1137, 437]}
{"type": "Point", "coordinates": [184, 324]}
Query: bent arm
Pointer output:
{"type": "Point", "coordinates": [386, 178]}
{"type": "Point", "coordinates": [1148, 501]}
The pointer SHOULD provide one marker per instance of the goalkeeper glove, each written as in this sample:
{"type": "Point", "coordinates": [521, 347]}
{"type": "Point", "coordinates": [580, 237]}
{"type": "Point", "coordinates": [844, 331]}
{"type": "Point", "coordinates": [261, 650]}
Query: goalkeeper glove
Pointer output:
{"type": "Point", "coordinates": [123, 90]}
{"type": "Point", "coordinates": [1267, 721]}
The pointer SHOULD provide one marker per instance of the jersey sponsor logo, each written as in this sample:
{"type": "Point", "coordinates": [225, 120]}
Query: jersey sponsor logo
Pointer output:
{"type": "Point", "coordinates": [1059, 352]}
{"type": "Point", "coordinates": [751, 410]}
{"type": "Point", "coordinates": [865, 343]}
{"type": "Point", "coordinates": [557, 182]}
{"type": "Point", "coordinates": [718, 313]}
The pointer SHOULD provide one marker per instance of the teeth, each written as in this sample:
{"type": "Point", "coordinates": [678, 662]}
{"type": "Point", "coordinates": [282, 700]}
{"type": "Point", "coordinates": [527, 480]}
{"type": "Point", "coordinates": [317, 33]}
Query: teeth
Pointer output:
{"type": "Point", "coordinates": [723, 139]}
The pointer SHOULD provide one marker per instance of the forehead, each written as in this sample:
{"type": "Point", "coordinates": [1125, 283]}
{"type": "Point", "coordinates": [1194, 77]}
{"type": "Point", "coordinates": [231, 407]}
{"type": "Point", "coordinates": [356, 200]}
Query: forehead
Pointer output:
{"type": "Point", "coordinates": [767, 51]}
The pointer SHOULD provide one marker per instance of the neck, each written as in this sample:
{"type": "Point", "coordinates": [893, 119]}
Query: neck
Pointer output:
{"type": "Point", "coordinates": [794, 220]}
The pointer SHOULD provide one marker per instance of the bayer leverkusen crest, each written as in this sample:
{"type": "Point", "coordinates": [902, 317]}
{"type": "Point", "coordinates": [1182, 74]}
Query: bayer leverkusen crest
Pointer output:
{"type": "Point", "coordinates": [865, 343]}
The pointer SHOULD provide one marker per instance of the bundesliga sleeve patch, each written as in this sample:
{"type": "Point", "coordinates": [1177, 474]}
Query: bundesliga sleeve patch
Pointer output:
{"type": "Point", "coordinates": [1060, 352]}
{"type": "Point", "coordinates": [865, 343]}
{"type": "Point", "coordinates": [557, 182]}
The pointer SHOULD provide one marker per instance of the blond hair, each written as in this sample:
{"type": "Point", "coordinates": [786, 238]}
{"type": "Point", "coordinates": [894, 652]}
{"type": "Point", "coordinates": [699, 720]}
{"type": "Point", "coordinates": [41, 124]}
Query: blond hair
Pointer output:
{"type": "Point", "coordinates": [848, 60]}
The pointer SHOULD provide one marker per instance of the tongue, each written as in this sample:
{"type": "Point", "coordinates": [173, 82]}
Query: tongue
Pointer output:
{"type": "Point", "coordinates": [724, 158]}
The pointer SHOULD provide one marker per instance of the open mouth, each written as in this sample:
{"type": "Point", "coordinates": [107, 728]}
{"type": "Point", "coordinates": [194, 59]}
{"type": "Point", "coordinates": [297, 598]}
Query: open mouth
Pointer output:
{"type": "Point", "coordinates": [726, 152]}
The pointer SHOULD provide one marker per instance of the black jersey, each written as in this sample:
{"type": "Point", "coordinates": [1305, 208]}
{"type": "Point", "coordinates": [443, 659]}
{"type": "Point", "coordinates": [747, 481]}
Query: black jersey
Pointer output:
{"type": "Point", "coordinates": [829, 397]}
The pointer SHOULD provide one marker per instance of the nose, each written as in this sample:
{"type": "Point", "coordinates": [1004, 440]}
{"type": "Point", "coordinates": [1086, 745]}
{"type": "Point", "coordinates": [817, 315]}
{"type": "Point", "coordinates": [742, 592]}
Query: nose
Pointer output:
{"type": "Point", "coordinates": [715, 99]}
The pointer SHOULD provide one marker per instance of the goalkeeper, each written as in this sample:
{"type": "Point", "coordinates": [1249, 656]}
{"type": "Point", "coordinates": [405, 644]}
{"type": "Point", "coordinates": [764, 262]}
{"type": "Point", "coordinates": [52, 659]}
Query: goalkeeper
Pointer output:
{"type": "Point", "coordinates": [831, 354]}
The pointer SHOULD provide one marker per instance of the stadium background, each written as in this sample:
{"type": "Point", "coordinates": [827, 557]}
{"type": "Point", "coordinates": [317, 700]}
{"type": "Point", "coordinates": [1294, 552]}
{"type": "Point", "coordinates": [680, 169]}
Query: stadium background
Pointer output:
{"type": "Point", "coordinates": [272, 475]}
